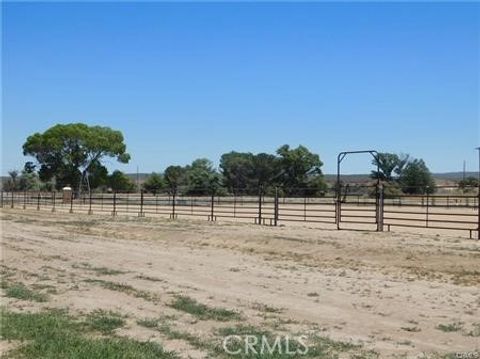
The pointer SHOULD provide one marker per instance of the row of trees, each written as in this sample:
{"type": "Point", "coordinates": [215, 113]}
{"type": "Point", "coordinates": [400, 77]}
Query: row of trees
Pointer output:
{"type": "Point", "coordinates": [28, 179]}
{"type": "Point", "coordinates": [74, 154]}
{"type": "Point", "coordinates": [402, 174]}
{"type": "Point", "coordinates": [294, 170]}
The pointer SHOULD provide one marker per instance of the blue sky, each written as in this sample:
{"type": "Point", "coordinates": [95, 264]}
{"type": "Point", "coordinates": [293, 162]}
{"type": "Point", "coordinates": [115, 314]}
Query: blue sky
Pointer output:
{"type": "Point", "coordinates": [191, 80]}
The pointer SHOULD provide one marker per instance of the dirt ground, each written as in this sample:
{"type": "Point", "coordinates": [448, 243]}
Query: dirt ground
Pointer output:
{"type": "Point", "coordinates": [396, 294]}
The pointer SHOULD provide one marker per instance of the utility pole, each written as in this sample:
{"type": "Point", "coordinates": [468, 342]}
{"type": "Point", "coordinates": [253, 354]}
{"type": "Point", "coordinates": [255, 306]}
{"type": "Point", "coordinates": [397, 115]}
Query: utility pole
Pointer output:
{"type": "Point", "coordinates": [464, 169]}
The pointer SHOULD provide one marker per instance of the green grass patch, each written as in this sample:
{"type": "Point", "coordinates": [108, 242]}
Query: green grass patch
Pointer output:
{"type": "Point", "coordinates": [475, 332]}
{"type": "Point", "coordinates": [98, 270]}
{"type": "Point", "coordinates": [316, 346]}
{"type": "Point", "coordinates": [202, 311]}
{"type": "Point", "coordinates": [264, 308]}
{"type": "Point", "coordinates": [54, 334]}
{"type": "Point", "coordinates": [149, 278]}
{"type": "Point", "coordinates": [193, 340]}
{"type": "Point", "coordinates": [20, 291]}
{"type": "Point", "coordinates": [149, 322]}
{"type": "Point", "coordinates": [451, 327]}
{"type": "Point", "coordinates": [105, 321]}
{"type": "Point", "coordinates": [125, 288]}
{"type": "Point", "coordinates": [161, 325]}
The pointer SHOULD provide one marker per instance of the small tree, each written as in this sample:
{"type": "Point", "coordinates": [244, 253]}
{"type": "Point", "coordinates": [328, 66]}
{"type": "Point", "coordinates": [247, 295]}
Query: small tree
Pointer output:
{"type": "Point", "coordinates": [174, 176]}
{"type": "Point", "coordinates": [468, 182]}
{"type": "Point", "coordinates": [154, 183]}
{"type": "Point", "coordinates": [29, 181]}
{"type": "Point", "coordinates": [11, 184]}
{"type": "Point", "coordinates": [416, 178]}
{"type": "Point", "coordinates": [300, 170]}
{"type": "Point", "coordinates": [120, 182]}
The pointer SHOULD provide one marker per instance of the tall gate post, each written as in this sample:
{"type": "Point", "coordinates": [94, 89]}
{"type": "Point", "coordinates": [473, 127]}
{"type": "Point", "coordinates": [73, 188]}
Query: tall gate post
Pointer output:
{"type": "Point", "coordinates": [478, 211]}
{"type": "Point", "coordinates": [338, 206]}
{"type": "Point", "coordinates": [380, 207]}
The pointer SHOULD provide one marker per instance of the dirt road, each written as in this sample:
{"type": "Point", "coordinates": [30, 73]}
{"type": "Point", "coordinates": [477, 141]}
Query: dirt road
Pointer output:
{"type": "Point", "coordinates": [393, 294]}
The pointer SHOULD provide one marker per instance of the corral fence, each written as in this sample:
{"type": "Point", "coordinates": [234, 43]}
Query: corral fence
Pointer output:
{"type": "Point", "coordinates": [356, 207]}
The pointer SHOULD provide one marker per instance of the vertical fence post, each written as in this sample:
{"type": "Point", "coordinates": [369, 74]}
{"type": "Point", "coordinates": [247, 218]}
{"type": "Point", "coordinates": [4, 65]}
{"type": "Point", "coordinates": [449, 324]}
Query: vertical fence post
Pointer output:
{"type": "Point", "coordinates": [12, 205]}
{"type": "Point", "coordinates": [338, 208]}
{"type": "Point", "coordinates": [275, 208]}
{"type": "Point", "coordinates": [305, 205]}
{"type": "Point", "coordinates": [141, 214]}
{"type": "Point", "coordinates": [234, 204]}
{"type": "Point", "coordinates": [114, 209]}
{"type": "Point", "coordinates": [260, 205]}
{"type": "Point", "coordinates": [54, 194]}
{"type": "Point", "coordinates": [173, 215]}
{"type": "Point", "coordinates": [90, 203]}
{"type": "Point", "coordinates": [212, 207]}
{"type": "Point", "coordinates": [71, 202]}
{"type": "Point", "coordinates": [38, 201]}
{"type": "Point", "coordinates": [24, 199]}
{"type": "Point", "coordinates": [427, 209]}
{"type": "Point", "coordinates": [1, 199]}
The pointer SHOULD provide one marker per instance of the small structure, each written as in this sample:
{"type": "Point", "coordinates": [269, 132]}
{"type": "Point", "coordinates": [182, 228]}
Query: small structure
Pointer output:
{"type": "Point", "coordinates": [67, 194]}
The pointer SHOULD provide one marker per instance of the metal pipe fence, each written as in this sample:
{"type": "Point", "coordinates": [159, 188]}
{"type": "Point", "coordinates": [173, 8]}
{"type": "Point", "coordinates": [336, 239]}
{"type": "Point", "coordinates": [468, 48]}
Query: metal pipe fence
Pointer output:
{"type": "Point", "coordinates": [368, 210]}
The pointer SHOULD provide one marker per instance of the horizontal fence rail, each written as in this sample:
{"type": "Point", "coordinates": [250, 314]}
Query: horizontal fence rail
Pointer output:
{"type": "Point", "coordinates": [368, 209]}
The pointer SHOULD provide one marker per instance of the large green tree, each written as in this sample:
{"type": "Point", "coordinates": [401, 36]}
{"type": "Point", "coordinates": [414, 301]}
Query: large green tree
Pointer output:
{"type": "Point", "coordinates": [248, 173]}
{"type": "Point", "coordinates": [265, 172]}
{"type": "Point", "coordinates": [300, 170]}
{"type": "Point", "coordinates": [416, 178]}
{"type": "Point", "coordinates": [236, 169]}
{"type": "Point", "coordinates": [390, 165]}
{"type": "Point", "coordinates": [202, 178]}
{"type": "Point", "coordinates": [67, 152]}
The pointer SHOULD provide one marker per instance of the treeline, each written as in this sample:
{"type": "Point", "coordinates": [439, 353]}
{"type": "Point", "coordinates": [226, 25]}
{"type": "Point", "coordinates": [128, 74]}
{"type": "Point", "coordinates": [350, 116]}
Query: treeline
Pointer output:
{"type": "Point", "coordinates": [73, 155]}
{"type": "Point", "coordinates": [29, 180]}
{"type": "Point", "coordinates": [293, 170]}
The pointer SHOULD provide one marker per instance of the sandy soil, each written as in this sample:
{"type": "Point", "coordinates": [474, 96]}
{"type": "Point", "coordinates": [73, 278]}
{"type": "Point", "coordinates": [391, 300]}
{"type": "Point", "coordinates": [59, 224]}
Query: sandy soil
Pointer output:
{"type": "Point", "coordinates": [389, 292]}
